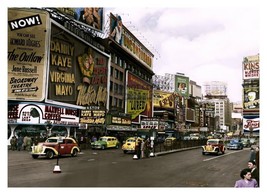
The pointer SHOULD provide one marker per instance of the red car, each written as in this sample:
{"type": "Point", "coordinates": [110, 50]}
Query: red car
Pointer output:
{"type": "Point", "coordinates": [213, 146]}
{"type": "Point", "coordinates": [56, 146]}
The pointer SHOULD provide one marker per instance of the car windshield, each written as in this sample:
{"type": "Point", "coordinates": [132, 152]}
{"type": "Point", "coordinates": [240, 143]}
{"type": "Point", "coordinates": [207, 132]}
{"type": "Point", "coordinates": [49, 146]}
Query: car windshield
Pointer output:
{"type": "Point", "coordinates": [234, 141]}
{"type": "Point", "coordinates": [212, 142]}
{"type": "Point", "coordinates": [130, 140]}
{"type": "Point", "coordinates": [51, 140]}
{"type": "Point", "coordinates": [103, 139]}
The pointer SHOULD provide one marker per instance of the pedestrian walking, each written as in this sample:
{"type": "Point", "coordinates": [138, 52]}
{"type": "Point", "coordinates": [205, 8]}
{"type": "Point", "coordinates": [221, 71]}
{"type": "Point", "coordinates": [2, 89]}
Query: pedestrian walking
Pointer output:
{"type": "Point", "coordinates": [252, 156]}
{"type": "Point", "coordinates": [13, 143]}
{"type": "Point", "coordinates": [19, 143]}
{"type": "Point", "coordinates": [246, 181]}
{"type": "Point", "coordinates": [138, 148]}
{"type": "Point", "coordinates": [254, 171]}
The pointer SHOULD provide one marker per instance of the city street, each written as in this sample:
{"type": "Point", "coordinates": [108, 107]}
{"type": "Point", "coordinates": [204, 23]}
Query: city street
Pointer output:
{"type": "Point", "coordinates": [112, 168]}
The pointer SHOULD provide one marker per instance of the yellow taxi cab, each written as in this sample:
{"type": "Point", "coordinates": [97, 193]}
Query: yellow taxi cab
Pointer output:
{"type": "Point", "coordinates": [129, 146]}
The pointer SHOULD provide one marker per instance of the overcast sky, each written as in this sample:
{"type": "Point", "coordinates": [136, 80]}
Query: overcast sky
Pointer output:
{"type": "Point", "coordinates": [206, 44]}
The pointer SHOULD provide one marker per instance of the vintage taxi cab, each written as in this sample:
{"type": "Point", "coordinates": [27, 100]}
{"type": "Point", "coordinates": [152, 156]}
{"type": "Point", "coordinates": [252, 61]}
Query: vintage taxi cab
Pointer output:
{"type": "Point", "coordinates": [213, 146]}
{"type": "Point", "coordinates": [129, 146]}
{"type": "Point", "coordinates": [105, 142]}
{"type": "Point", "coordinates": [56, 146]}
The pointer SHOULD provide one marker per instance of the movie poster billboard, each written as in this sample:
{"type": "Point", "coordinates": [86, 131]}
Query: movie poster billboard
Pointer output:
{"type": "Point", "coordinates": [28, 36]}
{"type": "Point", "coordinates": [251, 67]}
{"type": "Point", "coordinates": [182, 85]}
{"type": "Point", "coordinates": [138, 98]}
{"type": "Point", "coordinates": [90, 16]}
{"type": "Point", "coordinates": [77, 71]}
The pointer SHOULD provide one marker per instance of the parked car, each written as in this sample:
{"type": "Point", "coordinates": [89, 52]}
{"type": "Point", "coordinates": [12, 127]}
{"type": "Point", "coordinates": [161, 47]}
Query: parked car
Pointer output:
{"type": "Point", "coordinates": [246, 142]}
{"type": "Point", "coordinates": [170, 142]}
{"type": "Point", "coordinates": [235, 144]}
{"type": "Point", "coordinates": [129, 146]}
{"type": "Point", "coordinates": [213, 146]}
{"type": "Point", "coordinates": [105, 142]}
{"type": "Point", "coordinates": [56, 146]}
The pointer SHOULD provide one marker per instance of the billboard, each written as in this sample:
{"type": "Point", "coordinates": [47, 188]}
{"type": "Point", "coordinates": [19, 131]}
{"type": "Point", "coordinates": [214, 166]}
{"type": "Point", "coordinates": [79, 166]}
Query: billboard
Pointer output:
{"type": "Point", "coordinates": [164, 99]}
{"type": "Point", "coordinates": [77, 71]}
{"type": "Point", "coordinates": [251, 124]}
{"type": "Point", "coordinates": [251, 67]}
{"type": "Point", "coordinates": [28, 36]}
{"type": "Point", "coordinates": [251, 97]}
{"type": "Point", "coordinates": [93, 17]}
{"type": "Point", "coordinates": [39, 113]}
{"type": "Point", "coordinates": [122, 36]}
{"type": "Point", "coordinates": [182, 85]}
{"type": "Point", "coordinates": [138, 97]}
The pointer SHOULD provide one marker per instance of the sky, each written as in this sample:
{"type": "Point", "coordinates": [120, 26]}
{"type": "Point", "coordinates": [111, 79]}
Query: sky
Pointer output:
{"type": "Point", "coordinates": [204, 43]}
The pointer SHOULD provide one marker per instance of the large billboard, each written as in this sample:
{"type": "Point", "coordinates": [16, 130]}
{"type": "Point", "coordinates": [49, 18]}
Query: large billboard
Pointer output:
{"type": "Point", "coordinates": [251, 96]}
{"type": "Point", "coordinates": [164, 99]}
{"type": "Point", "coordinates": [77, 72]}
{"type": "Point", "coordinates": [182, 85]}
{"type": "Point", "coordinates": [90, 16]}
{"type": "Point", "coordinates": [251, 67]}
{"type": "Point", "coordinates": [251, 124]}
{"type": "Point", "coordinates": [138, 98]}
{"type": "Point", "coordinates": [28, 36]}
{"type": "Point", "coordinates": [122, 36]}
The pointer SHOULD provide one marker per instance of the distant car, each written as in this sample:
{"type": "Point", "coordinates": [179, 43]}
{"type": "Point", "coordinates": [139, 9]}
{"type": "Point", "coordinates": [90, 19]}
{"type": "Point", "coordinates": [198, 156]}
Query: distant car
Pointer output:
{"type": "Point", "coordinates": [213, 146]}
{"type": "Point", "coordinates": [170, 142]}
{"type": "Point", "coordinates": [56, 146]}
{"type": "Point", "coordinates": [235, 144]}
{"type": "Point", "coordinates": [129, 146]}
{"type": "Point", "coordinates": [246, 142]}
{"type": "Point", "coordinates": [105, 142]}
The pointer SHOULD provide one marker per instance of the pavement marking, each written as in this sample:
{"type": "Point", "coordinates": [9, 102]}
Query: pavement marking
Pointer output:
{"type": "Point", "coordinates": [222, 155]}
{"type": "Point", "coordinates": [92, 159]}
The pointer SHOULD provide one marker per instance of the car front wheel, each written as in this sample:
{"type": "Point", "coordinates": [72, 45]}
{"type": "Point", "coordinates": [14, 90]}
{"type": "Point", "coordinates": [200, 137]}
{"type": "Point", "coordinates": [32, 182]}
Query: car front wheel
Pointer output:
{"type": "Point", "coordinates": [50, 154]}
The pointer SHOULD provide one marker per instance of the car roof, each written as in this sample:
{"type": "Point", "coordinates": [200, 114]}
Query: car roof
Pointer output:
{"type": "Point", "coordinates": [108, 137]}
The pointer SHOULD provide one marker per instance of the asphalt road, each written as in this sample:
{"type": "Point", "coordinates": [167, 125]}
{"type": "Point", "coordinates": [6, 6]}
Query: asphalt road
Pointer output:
{"type": "Point", "coordinates": [112, 168]}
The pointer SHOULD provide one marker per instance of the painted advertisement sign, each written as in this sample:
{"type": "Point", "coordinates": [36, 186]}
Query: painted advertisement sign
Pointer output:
{"type": "Point", "coordinates": [139, 97]}
{"type": "Point", "coordinates": [164, 99]}
{"type": "Point", "coordinates": [121, 35]}
{"type": "Point", "coordinates": [251, 97]}
{"type": "Point", "coordinates": [251, 67]}
{"type": "Point", "coordinates": [93, 116]}
{"type": "Point", "coordinates": [251, 124]}
{"type": "Point", "coordinates": [182, 85]}
{"type": "Point", "coordinates": [153, 123]}
{"type": "Point", "coordinates": [91, 16]}
{"type": "Point", "coordinates": [38, 113]}
{"type": "Point", "coordinates": [77, 71]}
{"type": "Point", "coordinates": [27, 54]}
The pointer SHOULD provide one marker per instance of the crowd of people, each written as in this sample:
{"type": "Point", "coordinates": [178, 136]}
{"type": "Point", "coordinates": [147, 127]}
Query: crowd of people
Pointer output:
{"type": "Point", "coordinates": [250, 176]}
{"type": "Point", "coordinates": [24, 142]}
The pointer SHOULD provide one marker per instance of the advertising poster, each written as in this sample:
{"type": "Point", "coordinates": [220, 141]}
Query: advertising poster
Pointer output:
{"type": "Point", "coordinates": [139, 98]}
{"type": "Point", "coordinates": [27, 54]}
{"type": "Point", "coordinates": [182, 85]}
{"type": "Point", "coordinates": [91, 16]}
{"type": "Point", "coordinates": [77, 71]}
{"type": "Point", "coordinates": [251, 97]}
{"type": "Point", "coordinates": [164, 99]}
{"type": "Point", "coordinates": [251, 67]}
{"type": "Point", "coordinates": [251, 124]}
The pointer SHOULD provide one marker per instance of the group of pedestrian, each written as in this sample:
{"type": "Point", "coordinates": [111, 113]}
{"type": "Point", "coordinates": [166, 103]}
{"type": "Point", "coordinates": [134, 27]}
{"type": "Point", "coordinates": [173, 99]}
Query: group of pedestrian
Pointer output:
{"type": "Point", "coordinates": [143, 148]}
{"type": "Point", "coordinates": [23, 143]}
{"type": "Point", "coordinates": [250, 175]}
